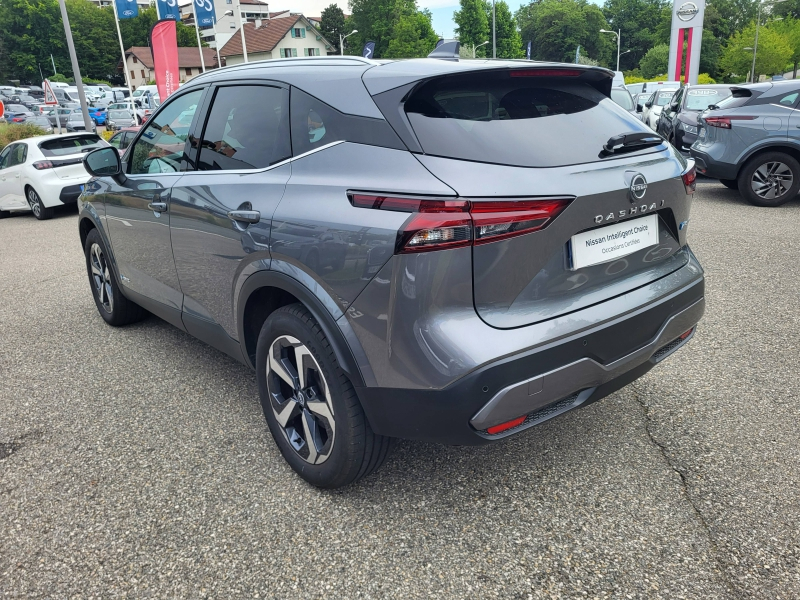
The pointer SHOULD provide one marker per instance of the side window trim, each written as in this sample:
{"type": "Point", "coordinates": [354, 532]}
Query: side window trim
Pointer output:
{"type": "Point", "coordinates": [207, 103]}
{"type": "Point", "coordinates": [126, 165]}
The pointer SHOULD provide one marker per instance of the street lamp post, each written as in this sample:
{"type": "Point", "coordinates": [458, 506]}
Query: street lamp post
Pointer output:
{"type": "Point", "coordinates": [474, 47]}
{"type": "Point", "coordinates": [342, 38]}
{"type": "Point", "coordinates": [241, 29]}
{"type": "Point", "coordinates": [619, 35]}
{"type": "Point", "coordinates": [494, 34]}
{"type": "Point", "coordinates": [228, 13]}
{"type": "Point", "coordinates": [755, 45]}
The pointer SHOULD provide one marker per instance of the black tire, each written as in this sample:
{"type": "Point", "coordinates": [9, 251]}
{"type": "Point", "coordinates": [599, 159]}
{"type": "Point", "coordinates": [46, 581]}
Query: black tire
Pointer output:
{"type": "Point", "coordinates": [113, 306]}
{"type": "Point", "coordinates": [4, 214]}
{"type": "Point", "coordinates": [730, 183]}
{"type": "Point", "coordinates": [765, 167]}
{"type": "Point", "coordinates": [355, 450]}
{"type": "Point", "coordinates": [39, 210]}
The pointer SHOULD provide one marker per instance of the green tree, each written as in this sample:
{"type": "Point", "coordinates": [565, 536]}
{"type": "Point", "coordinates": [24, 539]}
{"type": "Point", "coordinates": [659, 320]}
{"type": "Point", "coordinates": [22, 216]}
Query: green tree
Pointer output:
{"type": "Point", "coordinates": [736, 14]}
{"type": "Point", "coordinates": [774, 52]}
{"type": "Point", "coordinates": [655, 62]}
{"type": "Point", "coordinates": [557, 27]}
{"type": "Point", "coordinates": [639, 21]}
{"type": "Point", "coordinates": [136, 31]}
{"type": "Point", "coordinates": [332, 25]}
{"type": "Point", "coordinates": [377, 20]}
{"type": "Point", "coordinates": [509, 42]}
{"type": "Point", "coordinates": [472, 27]}
{"type": "Point", "coordinates": [789, 30]}
{"type": "Point", "coordinates": [413, 36]}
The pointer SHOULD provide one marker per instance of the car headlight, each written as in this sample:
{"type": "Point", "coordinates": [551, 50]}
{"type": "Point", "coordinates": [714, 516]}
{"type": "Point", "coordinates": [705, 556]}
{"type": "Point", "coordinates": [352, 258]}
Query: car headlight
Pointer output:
{"type": "Point", "coordinates": [688, 128]}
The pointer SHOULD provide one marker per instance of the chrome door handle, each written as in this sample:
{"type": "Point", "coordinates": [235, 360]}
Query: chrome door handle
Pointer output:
{"type": "Point", "coordinates": [158, 207]}
{"type": "Point", "coordinates": [245, 216]}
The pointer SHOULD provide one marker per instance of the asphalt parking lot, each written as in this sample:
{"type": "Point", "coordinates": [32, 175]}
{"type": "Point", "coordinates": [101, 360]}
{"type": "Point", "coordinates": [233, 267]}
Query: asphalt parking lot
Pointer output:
{"type": "Point", "coordinates": [136, 462]}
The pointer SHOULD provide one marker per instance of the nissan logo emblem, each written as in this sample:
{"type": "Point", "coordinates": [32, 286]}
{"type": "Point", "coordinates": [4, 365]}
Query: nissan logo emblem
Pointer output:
{"type": "Point", "coordinates": [687, 11]}
{"type": "Point", "coordinates": [638, 187]}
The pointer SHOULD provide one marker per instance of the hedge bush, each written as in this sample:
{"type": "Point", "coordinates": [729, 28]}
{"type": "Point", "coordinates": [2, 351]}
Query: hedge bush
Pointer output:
{"type": "Point", "coordinates": [13, 133]}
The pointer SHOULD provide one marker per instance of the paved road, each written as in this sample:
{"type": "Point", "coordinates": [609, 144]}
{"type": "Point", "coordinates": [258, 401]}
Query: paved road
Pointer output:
{"type": "Point", "coordinates": [135, 462]}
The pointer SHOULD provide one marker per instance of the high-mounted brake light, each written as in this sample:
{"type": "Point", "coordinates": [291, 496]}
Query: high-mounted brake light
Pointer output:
{"type": "Point", "coordinates": [725, 122]}
{"type": "Point", "coordinates": [546, 73]}
{"type": "Point", "coordinates": [437, 224]}
{"type": "Point", "coordinates": [690, 179]}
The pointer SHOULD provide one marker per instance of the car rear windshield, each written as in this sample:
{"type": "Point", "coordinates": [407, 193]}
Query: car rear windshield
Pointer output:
{"type": "Point", "coordinates": [702, 98]}
{"type": "Point", "coordinates": [516, 120]}
{"type": "Point", "coordinates": [69, 145]}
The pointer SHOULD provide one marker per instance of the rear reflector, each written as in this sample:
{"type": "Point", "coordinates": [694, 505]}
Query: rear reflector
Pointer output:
{"type": "Point", "coordinates": [683, 336]}
{"type": "Point", "coordinates": [725, 122]}
{"type": "Point", "coordinates": [690, 180]}
{"type": "Point", "coordinates": [546, 73]}
{"type": "Point", "coordinates": [437, 224]}
{"type": "Point", "coordinates": [506, 426]}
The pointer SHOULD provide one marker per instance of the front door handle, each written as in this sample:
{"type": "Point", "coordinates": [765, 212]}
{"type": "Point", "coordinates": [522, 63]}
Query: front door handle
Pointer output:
{"type": "Point", "coordinates": [245, 216]}
{"type": "Point", "coordinates": [158, 207]}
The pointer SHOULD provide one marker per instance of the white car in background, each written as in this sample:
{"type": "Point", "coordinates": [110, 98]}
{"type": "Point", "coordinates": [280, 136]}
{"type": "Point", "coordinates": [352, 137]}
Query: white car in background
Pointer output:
{"type": "Point", "coordinates": [43, 172]}
{"type": "Point", "coordinates": [651, 110]}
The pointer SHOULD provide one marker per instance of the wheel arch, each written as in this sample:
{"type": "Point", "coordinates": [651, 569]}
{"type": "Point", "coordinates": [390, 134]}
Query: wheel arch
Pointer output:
{"type": "Point", "coordinates": [777, 146]}
{"type": "Point", "coordinates": [264, 292]}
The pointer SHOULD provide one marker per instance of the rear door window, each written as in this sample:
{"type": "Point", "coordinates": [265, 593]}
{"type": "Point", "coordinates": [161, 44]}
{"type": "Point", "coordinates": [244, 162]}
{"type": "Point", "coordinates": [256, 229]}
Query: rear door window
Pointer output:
{"type": "Point", "coordinates": [247, 128]}
{"type": "Point", "coordinates": [63, 146]}
{"type": "Point", "coordinates": [515, 120]}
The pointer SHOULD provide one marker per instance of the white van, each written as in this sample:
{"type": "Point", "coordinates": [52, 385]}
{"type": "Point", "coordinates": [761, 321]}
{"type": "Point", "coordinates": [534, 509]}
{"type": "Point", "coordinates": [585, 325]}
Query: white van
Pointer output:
{"type": "Point", "coordinates": [58, 84]}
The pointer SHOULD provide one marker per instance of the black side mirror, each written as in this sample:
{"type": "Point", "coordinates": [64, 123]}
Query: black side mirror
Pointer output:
{"type": "Point", "coordinates": [673, 106]}
{"type": "Point", "coordinates": [103, 162]}
{"type": "Point", "coordinates": [648, 104]}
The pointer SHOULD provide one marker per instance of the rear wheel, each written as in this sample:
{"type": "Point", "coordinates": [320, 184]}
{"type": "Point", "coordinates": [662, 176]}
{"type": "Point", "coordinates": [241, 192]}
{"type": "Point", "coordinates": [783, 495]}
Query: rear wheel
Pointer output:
{"type": "Point", "coordinates": [40, 211]}
{"type": "Point", "coordinates": [310, 405]}
{"type": "Point", "coordinates": [115, 308]}
{"type": "Point", "coordinates": [730, 183]}
{"type": "Point", "coordinates": [770, 179]}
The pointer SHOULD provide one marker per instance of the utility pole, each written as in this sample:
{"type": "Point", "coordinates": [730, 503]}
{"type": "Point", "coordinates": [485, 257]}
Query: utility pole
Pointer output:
{"type": "Point", "coordinates": [494, 34]}
{"type": "Point", "coordinates": [75, 69]}
{"type": "Point", "coordinates": [197, 30]}
{"type": "Point", "coordinates": [54, 65]}
{"type": "Point", "coordinates": [241, 25]}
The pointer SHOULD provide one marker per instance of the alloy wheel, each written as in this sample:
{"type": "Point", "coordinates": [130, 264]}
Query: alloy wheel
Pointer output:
{"type": "Point", "coordinates": [35, 203]}
{"type": "Point", "coordinates": [101, 278]}
{"type": "Point", "coordinates": [300, 399]}
{"type": "Point", "coordinates": [771, 180]}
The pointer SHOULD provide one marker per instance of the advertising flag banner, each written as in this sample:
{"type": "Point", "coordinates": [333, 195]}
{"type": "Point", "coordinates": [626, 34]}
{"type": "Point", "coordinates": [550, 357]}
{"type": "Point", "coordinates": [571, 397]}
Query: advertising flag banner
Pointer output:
{"type": "Point", "coordinates": [168, 9]}
{"type": "Point", "coordinates": [127, 9]}
{"type": "Point", "coordinates": [164, 46]}
{"type": "Point", "coordinates": [528, 51]}
{"type": "Point", "coordinates": [204, 9]}
{"type": "Point", "coordinates": [369, 50]}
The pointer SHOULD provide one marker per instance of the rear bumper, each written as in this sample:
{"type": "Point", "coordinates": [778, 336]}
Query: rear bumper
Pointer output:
{"type": "Point", "coordinates": [69, 195]}
{"type": "Point", "coordinates": [710, 167]}
{"type": "Point", "coordinates": [539, 384]}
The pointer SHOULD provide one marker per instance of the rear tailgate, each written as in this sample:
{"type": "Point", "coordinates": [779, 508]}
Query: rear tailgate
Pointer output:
{"type": "Point", "coordinates": [65, 153]}
{"type": "Point", "coordinates": [509, 138]}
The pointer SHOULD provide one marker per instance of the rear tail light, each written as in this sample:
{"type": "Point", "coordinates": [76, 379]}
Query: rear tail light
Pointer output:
{"type": "Point", "coordinates": [725, 122]}
{"type": "Point", "coordinates": [690, 179]}
{"type": "Point", "coordinates": [440, 224]}
{"type": "Point", "coordinates": [40, 165]}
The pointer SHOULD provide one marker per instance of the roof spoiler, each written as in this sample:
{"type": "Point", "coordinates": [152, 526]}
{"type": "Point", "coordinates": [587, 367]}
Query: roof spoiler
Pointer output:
{"type": "Point", "coordinates": [446, 50]}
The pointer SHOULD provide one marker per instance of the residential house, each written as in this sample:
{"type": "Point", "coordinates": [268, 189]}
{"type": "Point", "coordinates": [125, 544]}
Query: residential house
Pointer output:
{"type": "Point", "coordinates": [226, 25]}
{"type": "Point", "coordinates": [139, 64]}
{"type": "Point", "coordinates": [281, 37]}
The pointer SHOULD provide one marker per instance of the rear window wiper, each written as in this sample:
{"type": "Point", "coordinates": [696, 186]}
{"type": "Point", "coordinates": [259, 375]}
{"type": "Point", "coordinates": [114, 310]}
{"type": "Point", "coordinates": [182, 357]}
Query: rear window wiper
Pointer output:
{"type": "Point", "coordinates": [629, 142]}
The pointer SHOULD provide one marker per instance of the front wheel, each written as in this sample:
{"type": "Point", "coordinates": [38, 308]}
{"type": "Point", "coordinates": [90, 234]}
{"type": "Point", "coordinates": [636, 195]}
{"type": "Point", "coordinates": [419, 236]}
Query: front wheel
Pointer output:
{"type": "Point", "coordinates": [770, 179]}
{"type": "Point", "coordinates": [39, 210]}
{"type": "Point", "coordinates": [310, 405]}
{"type": "Point", "coordinates": [115, 308]}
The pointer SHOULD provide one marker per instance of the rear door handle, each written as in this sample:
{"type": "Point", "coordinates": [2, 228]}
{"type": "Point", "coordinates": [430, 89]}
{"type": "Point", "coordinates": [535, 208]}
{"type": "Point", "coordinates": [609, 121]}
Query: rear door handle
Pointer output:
{"type": "Point", "coordinates": [245, 216]}
{"type": "Point", "coordinates": [158, 207]}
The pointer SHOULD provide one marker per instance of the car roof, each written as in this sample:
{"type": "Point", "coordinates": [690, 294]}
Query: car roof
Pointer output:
{"type": "Point", "coordinates": [332, 78]}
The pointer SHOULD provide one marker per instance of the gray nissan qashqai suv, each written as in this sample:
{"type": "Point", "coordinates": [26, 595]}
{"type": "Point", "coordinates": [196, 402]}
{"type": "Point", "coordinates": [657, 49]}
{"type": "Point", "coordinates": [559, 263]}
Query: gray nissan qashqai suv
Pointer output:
{"type": "Point", "coordinates": [427, 249]}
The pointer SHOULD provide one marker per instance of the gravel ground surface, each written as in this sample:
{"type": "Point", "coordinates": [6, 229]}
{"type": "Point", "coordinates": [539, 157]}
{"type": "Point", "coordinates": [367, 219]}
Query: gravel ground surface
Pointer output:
{"type": "Point", "coordinates": [135, 462]}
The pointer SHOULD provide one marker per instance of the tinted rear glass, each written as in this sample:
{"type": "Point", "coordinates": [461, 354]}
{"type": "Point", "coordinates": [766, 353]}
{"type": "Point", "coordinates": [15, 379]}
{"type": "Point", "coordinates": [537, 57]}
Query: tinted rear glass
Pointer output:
{"type": "Point", "coordinates": [69, 145]}
{"type": "Point", "coordinates": [521, 121]}
{"type": "Point", "coordinates": [702, 98]}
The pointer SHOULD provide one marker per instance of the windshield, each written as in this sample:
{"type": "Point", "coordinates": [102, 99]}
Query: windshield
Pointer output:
{"type": "Point", "coordinates": [702, 98]}
{"type": "Point", "coordinates": [17, 108]}
{"type": "Point", "coordinates": [662, 99]}
{"type": "Point", "coordinates": [138, 93]}
{"type": "Point", "coordinates": [623, 98]}
{"type": "Point", "coordinates": [119, 114]}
